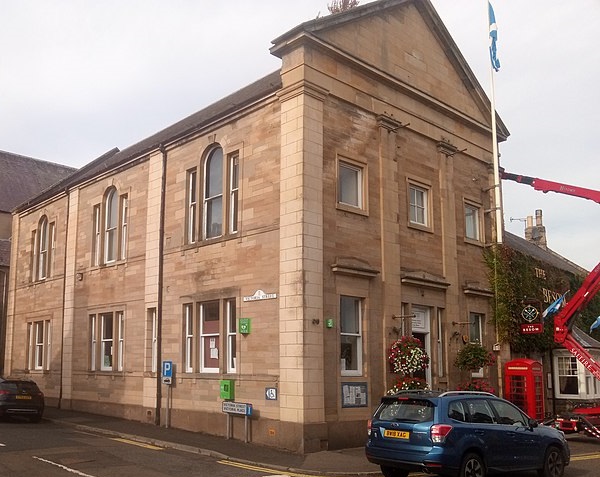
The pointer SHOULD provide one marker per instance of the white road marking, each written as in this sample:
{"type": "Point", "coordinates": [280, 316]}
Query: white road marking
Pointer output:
{"type": "Point", "coordinates": [64, 467]}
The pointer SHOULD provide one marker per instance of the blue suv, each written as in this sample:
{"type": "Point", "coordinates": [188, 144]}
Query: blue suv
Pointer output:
{"type": "Point", "coordinates": [461, 433]}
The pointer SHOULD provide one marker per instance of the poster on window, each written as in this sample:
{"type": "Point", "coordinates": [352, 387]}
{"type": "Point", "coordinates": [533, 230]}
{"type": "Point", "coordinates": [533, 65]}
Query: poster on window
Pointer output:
{"type": "Point", "coordinates": [354, 395]}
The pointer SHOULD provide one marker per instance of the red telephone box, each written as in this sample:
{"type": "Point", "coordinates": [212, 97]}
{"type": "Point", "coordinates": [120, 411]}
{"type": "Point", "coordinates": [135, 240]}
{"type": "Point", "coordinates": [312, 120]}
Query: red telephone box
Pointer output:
{"type": "Point", "coordinates": [523, 384]}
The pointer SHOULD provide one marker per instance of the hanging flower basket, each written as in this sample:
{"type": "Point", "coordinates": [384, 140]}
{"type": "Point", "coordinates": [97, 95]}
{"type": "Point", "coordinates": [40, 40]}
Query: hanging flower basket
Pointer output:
{"type": "Point", "coordinates": [476, 385]}
{"type": "Point", "coordinates": [406, 383]}
{"type": "Point", "coordinates": [473, 356]}
{"type": "Point", "coordinates": [407, 356]}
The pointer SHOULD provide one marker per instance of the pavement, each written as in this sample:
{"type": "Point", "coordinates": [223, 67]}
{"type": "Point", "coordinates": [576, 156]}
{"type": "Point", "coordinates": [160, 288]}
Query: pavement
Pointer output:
{"type": "Point", "coordinates": [345, 462]}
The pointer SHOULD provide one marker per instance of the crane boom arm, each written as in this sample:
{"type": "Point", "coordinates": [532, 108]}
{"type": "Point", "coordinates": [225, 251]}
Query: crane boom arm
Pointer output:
{"type": "Point", "coordinates": [549, 186]}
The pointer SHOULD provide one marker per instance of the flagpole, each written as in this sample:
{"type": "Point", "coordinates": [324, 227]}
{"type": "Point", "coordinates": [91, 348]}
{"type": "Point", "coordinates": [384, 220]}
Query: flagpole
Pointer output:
{"type": "Point", "coordinates": [496, 160]}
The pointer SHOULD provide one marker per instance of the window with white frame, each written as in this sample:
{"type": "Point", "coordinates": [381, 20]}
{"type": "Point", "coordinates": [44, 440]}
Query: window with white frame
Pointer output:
{"type": "Point", "coordinates": [40, 334]}
{"type": "Point", "coordinates": [44, 242]}
{"type": "Point", "coordinates": [209, 336]}
{"type": "Point", "coordinates": [350, 185]}
{"type": "Point", "coordinates": [472, 222]}
{"type": "Point", "coordinates": [475, 328]}
{"type": "Point", "coordinates": [213, 194]}
{"type": "Point", "coordinates": [234, 166]}
{"type": "Point", "coordinates": [209, 331]}
{"type": "Point", "coordinates": [107, 341]}
{"type": "Point", "coordinates": [110, 228]}
{"type": "Point", "coordinates": [351, 336]}
{"type": "Point", "coordinates": [192, 205]}
{"type": "Point", "coordinates": [152, 336]}
{"type": "Point", "coordinates": [231, 336]}
{"type": "Point", "coordinates": [418, 205]}
{"type": "Point", "coordinates": [188, 333]}
{"type": "Point", "coordinates": [568, 377]}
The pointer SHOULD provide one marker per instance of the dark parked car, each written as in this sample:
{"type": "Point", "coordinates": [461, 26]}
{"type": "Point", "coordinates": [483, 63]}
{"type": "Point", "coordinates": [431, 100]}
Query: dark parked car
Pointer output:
{"type": "Point", "coordinates": [461, 433]}
{"type": "Point", "coordinates": [21, 397]}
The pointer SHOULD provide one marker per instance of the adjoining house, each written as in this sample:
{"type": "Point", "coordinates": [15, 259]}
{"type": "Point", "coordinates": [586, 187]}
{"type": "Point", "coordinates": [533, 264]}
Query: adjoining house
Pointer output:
{"type": "Point", "coordinates": [272, 246]}
{"type": "Point", "coordinates": [21, 178]}
{"type": "Point", "coordinates": [567, 380]}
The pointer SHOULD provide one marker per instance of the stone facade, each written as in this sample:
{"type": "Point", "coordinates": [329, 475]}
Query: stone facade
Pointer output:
{"type": "Point", "coordinates": [380, 92]}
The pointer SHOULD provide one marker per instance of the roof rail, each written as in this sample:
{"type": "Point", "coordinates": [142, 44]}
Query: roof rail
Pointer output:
{"type": "Point", "coordinates": [452, 393]}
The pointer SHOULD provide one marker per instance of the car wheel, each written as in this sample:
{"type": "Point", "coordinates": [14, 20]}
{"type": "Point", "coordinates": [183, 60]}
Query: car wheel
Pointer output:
{"type": "Point", "coordinates": [554, 463]}
{"type": "Point", "coordinates": [472, 466]}
{"type": "Point", "coordinates": [393, 472]}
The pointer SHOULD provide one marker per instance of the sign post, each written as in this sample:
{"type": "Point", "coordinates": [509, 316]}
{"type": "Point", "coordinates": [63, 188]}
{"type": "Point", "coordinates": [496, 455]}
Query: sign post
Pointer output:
{"type": "Point", "coordinates": [240, 409]}
{"type": "Point", "coordinates": [167, 378]}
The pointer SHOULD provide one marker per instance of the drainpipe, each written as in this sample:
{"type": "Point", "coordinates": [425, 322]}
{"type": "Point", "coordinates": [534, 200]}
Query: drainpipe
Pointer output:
{"type": "Point", "coordinates": [159, 306]}
{"type": "Point", "coordinates": [64, 300]}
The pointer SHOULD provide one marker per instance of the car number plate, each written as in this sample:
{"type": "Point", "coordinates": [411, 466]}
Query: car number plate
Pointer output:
{"type": "Point", "coordinates": [23, 397]}
{"type": "Point", "coordinates": [396, 434]}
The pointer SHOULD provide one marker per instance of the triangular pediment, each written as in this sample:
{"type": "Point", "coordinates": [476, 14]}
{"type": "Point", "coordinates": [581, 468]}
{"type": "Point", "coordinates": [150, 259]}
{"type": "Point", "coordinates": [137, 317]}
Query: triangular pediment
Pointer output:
{"type": "Point", "coordinates": [405, 40]}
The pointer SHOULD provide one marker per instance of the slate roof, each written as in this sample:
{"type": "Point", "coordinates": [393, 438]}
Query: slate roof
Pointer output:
{"type": "Point", "coordinates": [547, 256]}
{"type": "Point", "coordinates": [4, 252]}
{"type": "Point", "coordinates": [584, 339]}
{"type": "Point", "coordinates": [23, 177]}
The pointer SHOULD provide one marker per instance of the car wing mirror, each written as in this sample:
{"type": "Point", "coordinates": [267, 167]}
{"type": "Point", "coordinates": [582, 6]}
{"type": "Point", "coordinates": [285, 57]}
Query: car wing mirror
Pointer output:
{"type": "Point", "coordinates": [532, 423]}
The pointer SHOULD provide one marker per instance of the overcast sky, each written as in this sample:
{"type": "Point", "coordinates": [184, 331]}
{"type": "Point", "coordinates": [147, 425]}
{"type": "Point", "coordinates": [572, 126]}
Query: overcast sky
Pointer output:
{"type": "Point", "coordinates": [79, 77]}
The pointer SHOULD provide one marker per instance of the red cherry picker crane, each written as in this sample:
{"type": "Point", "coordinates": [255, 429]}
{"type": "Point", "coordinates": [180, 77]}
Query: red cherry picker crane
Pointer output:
{"type": "Point", "coordinates": [586, 420]}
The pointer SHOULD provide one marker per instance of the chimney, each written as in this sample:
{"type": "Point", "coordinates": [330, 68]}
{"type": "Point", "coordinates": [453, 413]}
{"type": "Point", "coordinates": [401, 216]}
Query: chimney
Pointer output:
{"type": "Point", "coordinates": [536, 233]}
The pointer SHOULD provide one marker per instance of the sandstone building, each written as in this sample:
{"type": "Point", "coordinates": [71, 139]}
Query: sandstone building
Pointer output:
{"type": "Point", "coordinates": [325, 209]}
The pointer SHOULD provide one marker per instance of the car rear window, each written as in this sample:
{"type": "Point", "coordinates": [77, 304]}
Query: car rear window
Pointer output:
{"type": "Point", "coordinates": [410, 410]}
{"type": "Point", "coordinates": [8, 386]}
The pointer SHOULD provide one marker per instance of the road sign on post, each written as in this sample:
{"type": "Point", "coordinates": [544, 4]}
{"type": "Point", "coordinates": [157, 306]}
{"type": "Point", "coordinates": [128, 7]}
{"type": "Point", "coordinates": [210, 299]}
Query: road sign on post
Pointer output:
{"type": "Point", "coordinates": [167, 372]}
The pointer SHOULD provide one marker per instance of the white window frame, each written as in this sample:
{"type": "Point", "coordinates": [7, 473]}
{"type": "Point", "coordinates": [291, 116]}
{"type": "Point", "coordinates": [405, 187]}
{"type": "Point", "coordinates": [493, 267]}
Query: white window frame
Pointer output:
{"type": "Point", "coordinates": [188, 330]}
{"type": "Point", "coordinates": [124, 218]}
{"type": "Point", "coordinates": [192, 205]}
{"type": "Point", "coordinates": [111, 217]}
{"type": "Point", "coordinates": [153, 338]}
{"type": "Point", "coordinates": [212, 197]}
{"type": "Point", "coordinates": [96, 251]}
{"type": "Point", "coordinates": [350, 185]}
{"type": "Point", "coordinates": [418, 203]}
{"type": "Point", "coordinates": [234, 179]}
{"type": "Point", "coordinates": [107, 342]}
{"type": "Point", "coordinates": [476, 324]}
{"type": "Point", "coordinates": [209, 336]}
{"type": "Point", "coordinates": [93, 342]}
{"type": "Point", "coordinates": [570, 370]}
{"type": "Point", "coordinates": [472, 222]}
{"type": "Point", "coordinates": [39, 343]}
{"type": "Point", "coordinates": [120, 318]}
{"type": "Point", "coordinates": [231, 336]}
{"type": "Point", "coordinates": [352, 335]}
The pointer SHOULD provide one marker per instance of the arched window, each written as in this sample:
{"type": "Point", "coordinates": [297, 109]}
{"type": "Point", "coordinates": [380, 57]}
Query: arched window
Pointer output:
{"type": "Point", "coordinates": [111, 217]}
{"type": "Point", "coordinates": [213, 194]}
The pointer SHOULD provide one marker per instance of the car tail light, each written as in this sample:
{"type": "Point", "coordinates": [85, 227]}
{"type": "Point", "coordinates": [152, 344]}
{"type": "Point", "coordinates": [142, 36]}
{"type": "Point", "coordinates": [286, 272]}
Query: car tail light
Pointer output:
{"type": "Point", "coordinates": [4, 391]}
{"type": "Point", "coordinates": [369, 426]}
{"type": "Point", "coordinates": [439, 433]}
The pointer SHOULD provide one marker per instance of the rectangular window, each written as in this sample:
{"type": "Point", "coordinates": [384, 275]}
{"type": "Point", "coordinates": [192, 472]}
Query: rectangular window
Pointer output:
{"type": "Point", "coordinates": [93, 342]}
{"type": "Point", "coordinates": [350, 185]}
{"type": "Point", "coordinates": [106, 342]}
{"type": "Point", "coordinates": [121, 338]}
{"type": "Point", "coordinates": [188, 348]}
{"type": "Point", "coordinates": [472, 227]}
{"type": "Point", "coordinates": [568, 379]}
{"type": "Point", "coordinates": [96, 237]}
{"type": "Point", "coordinates": [209, 336]}
{"type": "Point", "coordinates": [475, 327]}
{"type": "Point", "coordinates": [192, 205]}
{"type": "Point", "coordinates": [152, 334]}
{"type": "Point", "coordinates": [231, 336]}
{"type": "Point", "coordinates": [234, 164]}
{"type": "Point", "coordinates": [351, 336]}
{"type": "Point", "coordinates": [124, 217]}
{"type": "Point", "coordinates": [418, 205]}
{"type": "Point", "coordinates": [39, 334]}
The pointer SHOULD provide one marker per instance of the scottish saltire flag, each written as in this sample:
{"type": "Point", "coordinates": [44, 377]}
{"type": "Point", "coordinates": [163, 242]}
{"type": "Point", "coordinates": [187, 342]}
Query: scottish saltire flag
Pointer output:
{"type": "Point", "coordinates": [554, 306]}
{"type": "Point", "coordinates": [595, 324]}
{"type": "Point", "coordinates": [493, 38]}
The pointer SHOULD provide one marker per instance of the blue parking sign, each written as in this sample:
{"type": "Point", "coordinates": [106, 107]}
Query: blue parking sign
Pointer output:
{"type": "Point", "coordinates": [167, 369]}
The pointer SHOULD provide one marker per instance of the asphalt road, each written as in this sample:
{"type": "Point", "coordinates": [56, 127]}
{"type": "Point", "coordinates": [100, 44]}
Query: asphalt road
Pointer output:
{"type": "Point", "coordinates": [52, 450]}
